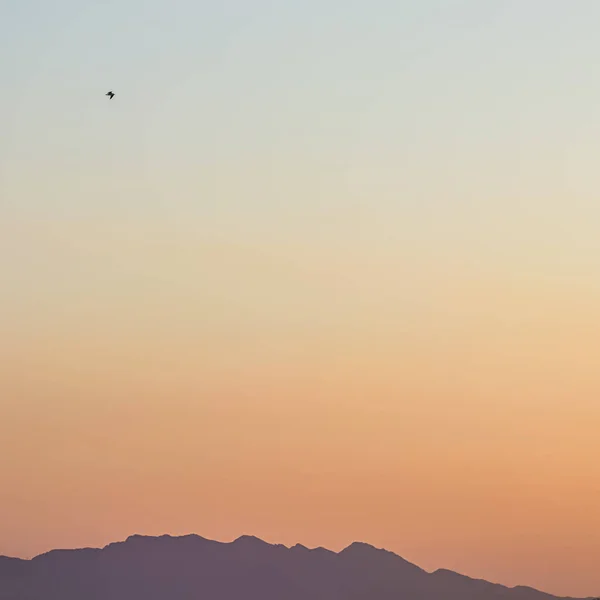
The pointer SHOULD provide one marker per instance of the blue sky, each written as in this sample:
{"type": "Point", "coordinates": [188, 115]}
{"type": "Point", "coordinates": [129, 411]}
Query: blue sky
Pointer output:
{"type": "Point", "coordinates": [333, 84]}
{"type": "Point", "coordinates": [489, 96]}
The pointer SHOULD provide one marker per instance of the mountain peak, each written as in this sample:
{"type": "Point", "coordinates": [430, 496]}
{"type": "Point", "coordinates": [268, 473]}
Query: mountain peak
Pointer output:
{"type": "Point", "coordinates": [361, 547]}
{"type": "Point", "coordinates": [251, 540]}
{"type": "Point", "coordinates": [319, 550]}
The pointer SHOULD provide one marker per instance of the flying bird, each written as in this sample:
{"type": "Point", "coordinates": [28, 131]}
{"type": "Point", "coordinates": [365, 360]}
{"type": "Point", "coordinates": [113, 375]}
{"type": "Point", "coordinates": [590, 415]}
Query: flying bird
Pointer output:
{"type": "Point", "coordinates": [110, 95]}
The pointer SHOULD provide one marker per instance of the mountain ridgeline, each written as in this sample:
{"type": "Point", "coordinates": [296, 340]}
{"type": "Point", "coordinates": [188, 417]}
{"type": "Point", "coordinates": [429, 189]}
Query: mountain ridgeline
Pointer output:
{"type": "Point", "coordinates": [194, 568]}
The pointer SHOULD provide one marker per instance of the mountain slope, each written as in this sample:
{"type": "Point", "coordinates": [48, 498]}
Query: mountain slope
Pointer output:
{"type": "Point", "coordinates": [194, 568]}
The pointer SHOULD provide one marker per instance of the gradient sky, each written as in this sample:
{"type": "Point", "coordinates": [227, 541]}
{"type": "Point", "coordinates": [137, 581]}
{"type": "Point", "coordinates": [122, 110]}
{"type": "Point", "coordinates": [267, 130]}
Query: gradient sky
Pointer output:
{"type": "Point", "coordinates": [322, 271]}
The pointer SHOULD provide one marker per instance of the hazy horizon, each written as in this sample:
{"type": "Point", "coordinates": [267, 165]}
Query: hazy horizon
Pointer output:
{"type": "Point", "coordinates": [322, 271]}
{"type": "Point", "coordinates": [259, 540]}
{"type": "Point", "coordinates": [242, 536]}
{"type": "Point", "coordinates": [193, 566]}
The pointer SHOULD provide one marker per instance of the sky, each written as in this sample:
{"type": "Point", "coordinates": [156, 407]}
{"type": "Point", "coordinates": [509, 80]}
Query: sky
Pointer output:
{"type": "Point", "coordinates": [321, 271]}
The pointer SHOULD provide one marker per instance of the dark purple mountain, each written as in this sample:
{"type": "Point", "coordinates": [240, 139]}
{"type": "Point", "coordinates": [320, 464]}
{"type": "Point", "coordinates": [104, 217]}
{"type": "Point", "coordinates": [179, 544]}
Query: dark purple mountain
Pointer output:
{"type": "Point", "coordinates": [194, 568]}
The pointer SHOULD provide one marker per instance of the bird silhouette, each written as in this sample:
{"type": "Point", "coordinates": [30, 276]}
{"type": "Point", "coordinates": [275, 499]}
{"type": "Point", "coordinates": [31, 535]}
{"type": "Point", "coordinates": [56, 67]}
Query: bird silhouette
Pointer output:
{"type": "Point", "coordinates": [110, 95]}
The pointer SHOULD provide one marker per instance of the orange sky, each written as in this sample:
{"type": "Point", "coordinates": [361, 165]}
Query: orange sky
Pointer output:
{"type": "Point", "coordinates": [459, 431]}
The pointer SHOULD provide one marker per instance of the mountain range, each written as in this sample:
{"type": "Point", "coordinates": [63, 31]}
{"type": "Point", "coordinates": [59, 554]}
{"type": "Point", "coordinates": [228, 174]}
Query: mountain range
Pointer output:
{"type": "Point", "coordinates": [194, 568]}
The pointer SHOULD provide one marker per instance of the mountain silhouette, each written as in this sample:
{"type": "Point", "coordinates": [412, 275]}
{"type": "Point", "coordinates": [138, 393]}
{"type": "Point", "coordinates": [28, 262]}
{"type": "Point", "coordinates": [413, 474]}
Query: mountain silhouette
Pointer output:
{"type": "Point", "coordinates": [194, 568]}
